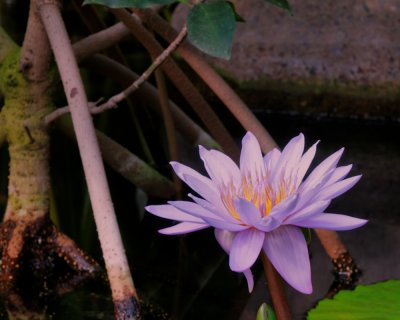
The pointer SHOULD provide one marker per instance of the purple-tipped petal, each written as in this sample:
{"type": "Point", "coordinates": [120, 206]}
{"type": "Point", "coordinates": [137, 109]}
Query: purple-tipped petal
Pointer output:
{"type": "Point", "coordinates": [284, 208]}
{"type": "Point", "coordinates": [287, 250]}
{"type": "Point", "coordinates": [170, 212]}
{"type": "Point", "coordinates": [183, 227]}
{"type": "Point", "coordinates": [229, 164]}
{"type": "Point", "coordinates": [248, 212]}
{"type": "Point", "coordinates": [193, 209]}
{"type": "Point", "coordinates": [251, 159]}
{"type": "Point", "coordinates": [338, 188]}
{"type": "Point", "coordinates": [208, 216]}
{"type": "Point", "coordinates": [212, 195]}
{"type": "Point", "coordinates": [321, 170]}
{"type": "Point", "coordinates": [290, 157]}
{"type": "Point", "coordinates": [246, 247]}
{"type": "Point", "coordinates": [271, 160]}
{"type": "Point", "coordinates": [313, 209]}
{"type": "Point", "coordinates": [250, 279]}
{"type": "Point", "coordinates": [277, 215]}
{"type": "Point", "coordinates": [221, 173]}
{"type": "Point", "coordinates": [331, 221]}
{"type": "Point", "coordinates": [305, 163]}
{"type": "Point", "coordinates": [181, 170]}
{"type": "Point", "coordinates": [223, 214]}
{"type": "Point", "coordinates": [224, 238]}
{"type": "Point", "coordinates": [338, 174]}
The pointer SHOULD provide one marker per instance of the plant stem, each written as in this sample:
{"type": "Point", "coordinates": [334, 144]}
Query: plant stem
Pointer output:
{"type": "Point", "coordinates": [169, 125]}
{"type": "Point", "coordinates": [276, 289]}
{"type": "Point", "coordinates": [232, 101]}
{"type": "Point", "coordinates": [183, 84]}
{"type": "Point", "coordinates": [149, 94]}
{"type": "Point", "coordinates": [123, 291]}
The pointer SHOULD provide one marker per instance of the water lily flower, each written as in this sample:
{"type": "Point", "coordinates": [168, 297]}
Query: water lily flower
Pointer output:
{"type": "Point", "coordinates": [262, 205]}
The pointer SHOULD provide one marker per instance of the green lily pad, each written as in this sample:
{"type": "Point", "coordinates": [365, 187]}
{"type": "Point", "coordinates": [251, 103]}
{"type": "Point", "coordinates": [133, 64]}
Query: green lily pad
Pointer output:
{"type": "Point", "coordinates": [367, 302]}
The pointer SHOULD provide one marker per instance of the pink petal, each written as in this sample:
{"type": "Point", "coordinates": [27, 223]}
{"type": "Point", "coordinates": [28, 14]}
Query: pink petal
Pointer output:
{"type": "Point", "coordinates": [287, 250]}
{"type": "Point", "coordinates": [219, 171]}
{"type": "Point", "coordinates": [251, 160]}
{"type": "Point", "coordinates": [246, 247]}
{"type": "Point", "coordinates": [248, 212]}
{"type": "Point", "coordinates": [170, 212]}
{"type": "Point", "coordinates": [311, 210]}
{"type": "Point", "coordinates": [183, 227]}
{"type": "Point", "coordinates": [338, 188]}
{"type": "Point", "coordinates": [331, 221]}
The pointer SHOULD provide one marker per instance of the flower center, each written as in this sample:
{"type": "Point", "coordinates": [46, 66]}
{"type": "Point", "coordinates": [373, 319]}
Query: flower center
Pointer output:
{"type": "Point", "coordinates": [262, 193]}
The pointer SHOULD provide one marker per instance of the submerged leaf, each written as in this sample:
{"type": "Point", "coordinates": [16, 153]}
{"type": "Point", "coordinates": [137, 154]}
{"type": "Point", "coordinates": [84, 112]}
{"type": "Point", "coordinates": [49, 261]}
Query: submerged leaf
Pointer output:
{"type": "Point", "coordinates": [211, 27]}
{"type": "Point", "coordinates": [129, 3]}
{"type": "Point", "coordinates": [284, 4]}
{"type": "Point", "coordinates": [376, 301]}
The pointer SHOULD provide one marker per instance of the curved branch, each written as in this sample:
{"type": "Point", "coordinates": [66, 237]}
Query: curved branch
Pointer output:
{"type": "Point", "coordinates": [183, 84]}
{"type": "Point", "coordinates": [237, 107]}
{"type": "Point", "coordinates": [122, 288]}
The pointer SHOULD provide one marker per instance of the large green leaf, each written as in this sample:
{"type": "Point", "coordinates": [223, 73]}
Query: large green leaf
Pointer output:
{"type": "Point", "coordinates": [377, 301]}
{"type": "Point", "coordinates": [284, 4]}
{"type": "Point", "coordinates": [211, 27]}
{"type": "Point", "coordinates": [128, 3]}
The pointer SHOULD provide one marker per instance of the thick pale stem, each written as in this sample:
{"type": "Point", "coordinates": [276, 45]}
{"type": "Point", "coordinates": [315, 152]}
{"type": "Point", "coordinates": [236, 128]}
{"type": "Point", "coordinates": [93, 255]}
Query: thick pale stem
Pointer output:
{"type": "Point", "coordinates": [331, 242]}
{"type": "Point", "coordinates": [276, 289]}
{"type": "Point", "coordinates": [117, 267]}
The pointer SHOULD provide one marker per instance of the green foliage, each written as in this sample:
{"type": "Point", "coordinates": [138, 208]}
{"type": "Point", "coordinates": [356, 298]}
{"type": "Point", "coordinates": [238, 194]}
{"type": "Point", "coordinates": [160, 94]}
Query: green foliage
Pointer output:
{"type": "Point", "coordinates": [376, 301]}
{"type": "Point", "coordinates": [128, 3]}
{"type": "Point", "coordinates": [284, 4]}
{"type": "Point", "coordinates": [211, 27]}
{"type": "Point", "coordinates": [265, 312]}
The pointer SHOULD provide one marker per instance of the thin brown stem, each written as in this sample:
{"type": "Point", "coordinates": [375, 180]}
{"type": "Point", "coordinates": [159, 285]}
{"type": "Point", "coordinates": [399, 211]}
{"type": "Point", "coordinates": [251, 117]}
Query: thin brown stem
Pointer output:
{"type": "Point", "coordinates": [149, 96]}
{"type": "Point", "coordinates": [114, 100]}
{"type": "Point", "coordinates": [168, 124]}
{"type": "Point", "coordinates": [232, 101]}
{"type": "Point", "coordinates": [183, 84]}
{"type": "Point", "coordinates": [276, 289]}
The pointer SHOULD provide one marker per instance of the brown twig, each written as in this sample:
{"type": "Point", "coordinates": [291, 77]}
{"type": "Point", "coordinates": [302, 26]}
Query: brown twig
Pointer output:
{"type": "Point", "coordinates": [148, 95]}
{"type": "Point", "coordinates": [232, 101]}
{"type": "Point", "coordinates": [276, 289]}
{"type": "Point", "coordinates": [183, 84]}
